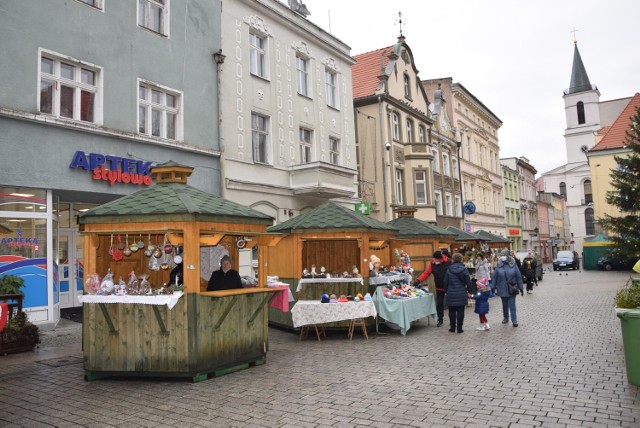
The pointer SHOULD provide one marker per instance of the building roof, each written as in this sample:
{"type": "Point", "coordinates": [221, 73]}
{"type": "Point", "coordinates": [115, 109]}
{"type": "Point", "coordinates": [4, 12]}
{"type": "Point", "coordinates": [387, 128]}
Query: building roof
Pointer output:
{"type": "Point", "coordinates": [331, 216]}
{"type": "Point", "coordinates": [463, 236]}
{"type": "Point", "coordinates": [492, 237]}
{"type": "Point", "coordinates": [579, 79]}
{"type": "Point", "coordinates": [173, 202]}
{"type": "Point", "coordinates": [365, 72]}
{"type": "Point", "coordinates": [615, 137]}
{"type": "Point", "coordinates": [411, 226]}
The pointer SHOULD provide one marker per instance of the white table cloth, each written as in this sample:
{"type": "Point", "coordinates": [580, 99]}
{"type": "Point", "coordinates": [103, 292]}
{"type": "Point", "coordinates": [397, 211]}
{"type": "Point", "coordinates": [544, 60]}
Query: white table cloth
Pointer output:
{"type": "Point", "coordinates": [310, 312]}
{"type": "Point", "coordinates": [317, 280]}
{"type": "Point", "coordinates": [164, 299]}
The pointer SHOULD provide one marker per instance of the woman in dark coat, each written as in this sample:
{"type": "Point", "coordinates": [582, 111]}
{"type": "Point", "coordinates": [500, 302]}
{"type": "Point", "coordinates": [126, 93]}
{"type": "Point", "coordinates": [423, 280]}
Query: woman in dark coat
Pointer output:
{"type": "Point", "coordinates": [507, 271]}
{"type": "Point", "coordinates": [457, 286]}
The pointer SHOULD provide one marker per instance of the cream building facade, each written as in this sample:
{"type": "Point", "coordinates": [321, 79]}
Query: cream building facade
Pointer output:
{"type": "Point", "coordinates": [287, 124]}
{"type": "Point", "coordinates": [528, 224]}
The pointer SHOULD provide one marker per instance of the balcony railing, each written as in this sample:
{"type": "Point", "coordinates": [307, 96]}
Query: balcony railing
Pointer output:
{"type": "Point", "coordinates": [322, 179]}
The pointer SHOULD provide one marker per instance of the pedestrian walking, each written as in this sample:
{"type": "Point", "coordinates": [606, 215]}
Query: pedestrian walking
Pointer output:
{"type": "Point", "coordinates": [482, 303]}
{"type": "Point", "coordinates": [438, 267]}
{"type": "Point", "coordinates": [529, 266]}
{"type": "Point", "coordinates": [507, 283]}
{"type": "Point", "coordinates": [482, 267]}
{"type": "Point", "coordinates": [457, 286]}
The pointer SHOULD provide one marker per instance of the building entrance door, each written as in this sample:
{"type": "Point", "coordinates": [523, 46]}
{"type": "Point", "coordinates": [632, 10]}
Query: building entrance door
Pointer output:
{"type": "Point", "coordinates": [70, 269]}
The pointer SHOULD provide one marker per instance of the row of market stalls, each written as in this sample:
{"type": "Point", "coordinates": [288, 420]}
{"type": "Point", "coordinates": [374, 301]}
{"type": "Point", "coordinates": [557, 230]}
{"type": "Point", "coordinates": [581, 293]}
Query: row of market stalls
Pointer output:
{"type": "Point", "coordinates": [188, 331]}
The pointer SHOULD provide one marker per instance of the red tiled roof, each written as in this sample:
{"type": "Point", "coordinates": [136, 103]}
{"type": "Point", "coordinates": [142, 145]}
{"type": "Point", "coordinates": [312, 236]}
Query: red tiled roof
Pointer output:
{"type": "Point", "coordinates": [616, 135]}
{"type": "Point", "coordinates": [365, 71]}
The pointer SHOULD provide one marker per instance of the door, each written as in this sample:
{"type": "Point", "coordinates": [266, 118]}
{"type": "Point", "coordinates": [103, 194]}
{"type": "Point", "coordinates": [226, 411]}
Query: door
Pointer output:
{"type": "Point", "coordinates": [70, 269]}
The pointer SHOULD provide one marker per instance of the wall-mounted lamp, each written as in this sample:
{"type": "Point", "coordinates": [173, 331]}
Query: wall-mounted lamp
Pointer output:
{"type": "Point", "coordinates": [219, 57]}
{"type": "Point", "coordinates": [388, 145]}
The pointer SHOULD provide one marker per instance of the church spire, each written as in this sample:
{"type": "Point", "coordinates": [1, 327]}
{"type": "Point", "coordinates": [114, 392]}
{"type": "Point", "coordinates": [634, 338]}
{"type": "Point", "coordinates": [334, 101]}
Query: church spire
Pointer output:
{"type": "Point", "coordinates": [579, 79]}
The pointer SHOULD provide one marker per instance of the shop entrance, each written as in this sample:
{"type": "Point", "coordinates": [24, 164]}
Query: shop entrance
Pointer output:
{"type": "Point", "coordinates": [70, 269]}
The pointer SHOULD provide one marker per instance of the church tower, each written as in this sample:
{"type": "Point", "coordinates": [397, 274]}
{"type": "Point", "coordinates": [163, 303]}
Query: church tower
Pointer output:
{"type": "Point", "coordinates": [581, 105]}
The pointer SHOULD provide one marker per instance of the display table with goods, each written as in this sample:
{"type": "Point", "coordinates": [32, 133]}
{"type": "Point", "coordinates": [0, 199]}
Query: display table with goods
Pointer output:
{"type": "Point", "coordinates": [398, 278]}
{"type": "Point", "coordinates": [314, 313]}
{"type": "Point", "coordinates": [399, 308]}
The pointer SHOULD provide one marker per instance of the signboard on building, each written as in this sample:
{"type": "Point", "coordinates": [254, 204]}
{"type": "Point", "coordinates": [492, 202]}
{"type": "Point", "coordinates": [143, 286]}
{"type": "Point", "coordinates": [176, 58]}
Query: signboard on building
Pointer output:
{"type": "Point", "coordinates": [514, 232]}
{"type": "Point", "coordinates": [363, 208]}
{"type": "Point", "coordinates": [113, 169]}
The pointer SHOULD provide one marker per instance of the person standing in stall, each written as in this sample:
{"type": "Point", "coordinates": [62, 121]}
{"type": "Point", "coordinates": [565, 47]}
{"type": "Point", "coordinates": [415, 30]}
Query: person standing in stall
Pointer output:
{"type": "Point", "coordinates": [438, 267]}
{"type": "Point", "coordinates": [224, 278]}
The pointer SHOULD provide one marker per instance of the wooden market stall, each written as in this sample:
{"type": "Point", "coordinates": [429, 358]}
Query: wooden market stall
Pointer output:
{"type": "Point", "coordinates": [196, 334]}
{"type": "Point", "coordinates": [466, 242]}
{"type": "Point", "coordinates": [330, 236]}
{"type": "Point", "coordinates": [494, 243]}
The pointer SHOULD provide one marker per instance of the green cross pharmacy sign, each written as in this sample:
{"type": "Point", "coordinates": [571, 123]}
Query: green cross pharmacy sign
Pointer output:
{"type": "Point", "coordinates": [363, 208]}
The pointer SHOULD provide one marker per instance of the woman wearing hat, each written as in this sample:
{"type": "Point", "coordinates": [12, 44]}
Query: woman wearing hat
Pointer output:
{"type": "Point", "coordinates": [224, 278]}
{"type": "Point", "coordinates": [506, 273]}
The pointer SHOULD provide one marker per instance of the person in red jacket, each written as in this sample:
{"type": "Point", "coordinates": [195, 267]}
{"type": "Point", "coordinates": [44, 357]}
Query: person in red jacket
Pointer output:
{"type": "Point", "coordinates": [438, 268]}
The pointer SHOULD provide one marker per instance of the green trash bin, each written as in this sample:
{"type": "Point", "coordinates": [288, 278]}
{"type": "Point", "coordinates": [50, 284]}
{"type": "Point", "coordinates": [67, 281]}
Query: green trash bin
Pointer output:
{"type": "Point", "coordinates": [630, 323]}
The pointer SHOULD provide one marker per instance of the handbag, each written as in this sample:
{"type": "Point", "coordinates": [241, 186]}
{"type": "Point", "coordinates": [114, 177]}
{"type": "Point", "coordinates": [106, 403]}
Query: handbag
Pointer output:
{"type": "Point", "coordinates": [512, 286]}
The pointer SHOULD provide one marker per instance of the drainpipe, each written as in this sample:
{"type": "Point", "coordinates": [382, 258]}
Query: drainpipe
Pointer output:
{"type": "Point", "coordinates": [219, 57]}
{"type": "Point", "coordinates": [382, 150]}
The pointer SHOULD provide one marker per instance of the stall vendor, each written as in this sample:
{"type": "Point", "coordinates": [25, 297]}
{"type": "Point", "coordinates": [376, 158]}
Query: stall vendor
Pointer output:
{"type": "Point", "coordinates": [224, 278]}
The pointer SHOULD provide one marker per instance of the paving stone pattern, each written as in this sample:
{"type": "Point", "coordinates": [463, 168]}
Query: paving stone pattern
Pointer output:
{"type": "Point", "coordinates": [562, 367]}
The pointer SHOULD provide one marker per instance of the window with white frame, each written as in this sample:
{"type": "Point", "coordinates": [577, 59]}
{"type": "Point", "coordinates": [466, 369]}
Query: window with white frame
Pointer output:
{"type": "Point", "coordinates": [399, 186]}
{"type": "Point", "coordinates": [69, 89]}
{"type": "Point", "coordinates": [154, 15]}
{"type": "Point", "coordinates": [445, 164]}
{"type": "Point", "coordinates": [260, 138]}
{"type": "Point", "coordinates": [454, 164]}
{"type": "Point", "coordinates": [306, 145]}
{"type": "Point", "coordinates": [334, 151]}
{"type": "Point", "coordinates": [407, 86]}
{"type": "Point", "coordinates": [331, 83]}
{"type": "Point", "coordinates": [395, 125]}
{"type": "Point", "coordinates": [258, 55]}
{"type": "Point", "coordinates": [158, 111]}
{"type": "Point", "coordinates": [304, 86]}
{"type": "Point", "coordinates": [98, 4]}
{"type": "Point", "coordinates": [421, 187]}
{"type": "Point", "coordinates": [421, 134]}
{"type": "Point", "coordinates": [437, 196]}
{"type": "Point", "coordinates": [410, 131]}
{"type": "Point", "coordinates": [436, 160]}
{"type": "Point", "coordinates": [448, 204]}
{"type": "Point", "coordinates": [458, 206]}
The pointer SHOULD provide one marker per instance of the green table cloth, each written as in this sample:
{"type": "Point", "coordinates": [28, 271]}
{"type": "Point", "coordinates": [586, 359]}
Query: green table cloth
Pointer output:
{"type": "Point", "coordinates": [403, 311]}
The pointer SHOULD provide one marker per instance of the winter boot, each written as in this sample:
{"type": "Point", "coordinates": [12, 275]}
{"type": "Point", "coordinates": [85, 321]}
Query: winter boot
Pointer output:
{"type": "Point", "coordinates": [482, 327]}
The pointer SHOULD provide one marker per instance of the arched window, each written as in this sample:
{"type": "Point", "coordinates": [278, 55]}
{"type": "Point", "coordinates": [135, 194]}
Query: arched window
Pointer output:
{"type": "Point", "coordinates": [580, 108]}
{"type": "Point", "coordinates": [589, 221]}
{"type": "Point", "coordinates": [563, 190]}
{"type": "Point", "coordinates": [588, 196]}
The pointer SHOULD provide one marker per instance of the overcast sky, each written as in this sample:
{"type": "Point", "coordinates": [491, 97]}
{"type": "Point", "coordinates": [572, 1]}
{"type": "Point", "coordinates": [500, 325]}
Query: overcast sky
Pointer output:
{"type": "Point", "coordinates": [515, 56]}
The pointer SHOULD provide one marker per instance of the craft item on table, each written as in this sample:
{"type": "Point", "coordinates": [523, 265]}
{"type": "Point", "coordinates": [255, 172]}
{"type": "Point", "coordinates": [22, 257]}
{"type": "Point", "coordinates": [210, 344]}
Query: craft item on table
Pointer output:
{"type": "Point", "coordinates": [133, 287]}
{"type": "Point", "coordinates": [325, 298]}
{"type": "Point", "coordinates": [248, 281]}
{"type": "Point", "coordinates": [323, 273]}
{"type": "Point", "coordinates": [367, 297]}
{"type": "Point", "coordinates": [121, 288]}
{"type": "Point", "coordinates": [359, 297]}
{"type": "Point", "coordinates": [345, 274]}
{"type": "Point", "coordinates": [106, 286]}
{"type": "Point", "coordinates": [355, 273]}
{"type": "Point", "coordinates": [333, 299]}
{"type": "Point", "coordinates": [305, 273]}
{"type": "Point", "coordinates": [343, 298]}
{"type": "Point", "coordinates": [92, 284]}
{"type": "Point", "coordinates": [144, 287]}
{"type": "Point", "coordinates": [356, 299]}
{"type": "Point", "coordinates": [313, 270]}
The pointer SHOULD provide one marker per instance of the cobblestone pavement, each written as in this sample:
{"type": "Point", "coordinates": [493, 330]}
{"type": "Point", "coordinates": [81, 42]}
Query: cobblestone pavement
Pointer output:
{"type": "Point", "coordinates": [563, 366]}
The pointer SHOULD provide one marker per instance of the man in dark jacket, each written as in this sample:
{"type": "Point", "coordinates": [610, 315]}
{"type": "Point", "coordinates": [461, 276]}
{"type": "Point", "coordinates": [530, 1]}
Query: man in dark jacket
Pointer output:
{"type": "Point", "coordinates": [529, 267]}
{"type": "Point", "coordinates": [457, 285]}
{"type": "Point", "coordinates": [225, 278]}
{"type": "Point", "coordinates": [438, 267]}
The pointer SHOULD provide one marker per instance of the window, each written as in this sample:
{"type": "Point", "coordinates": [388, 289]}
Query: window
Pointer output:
{"type": "Point", "coordinates": [258, 55]}
{"type": "Point", "coordinates": [436, 160]}
{"type": "Point", "coordinates": [580, 109]}
{"type": "Point", "coordinates": [409, 131]}
{"type": "Point", "coordinates": [407, 86]}
{"type": "Point", "coordinates": [68, 89]}
{"type": "Point", "coordinates": [458, 206]}
{"type": "Point", "coordinates": [481, 155]}
{"type": "Point", "coordinates": [95, 3]}
{"type": "Point", "coordinates": [304, 88]}
{"type": "Point", "coordinates": [588, 196]}
{"type": "Point", "coordinates": [331, 82]}
{"type": "Point", "coordinates": [445, 164]}
{"type": "Point", "coordinates": [395, 126]}
{"type": "Point", "coordinates": [589, 221]}
{"type": "Point", "coordinates": [563, 190]}
{"type": "Point", "coordinates": [334, 151]}
{"type": "Point", "coordinates": [421, 187]}
{"type": "Point", "coordinates": [260, 138]}
{"type": "Point", "coordinates": [399, 187]}
{"type": "Point", "coordinates": [456, 170]}
{"type": "Point", "coordinates": [153, 15]}
{"type": "Point", "coordinates": [438, 200]}
{"type": "Point", "coordinates": [421, 134]}
{"type": "Point", "coordinates": [158, 111]}
{"type": "Point", "coordinates": [306, 146]}
{"type": "Point", "coordinates": [448, 204]}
